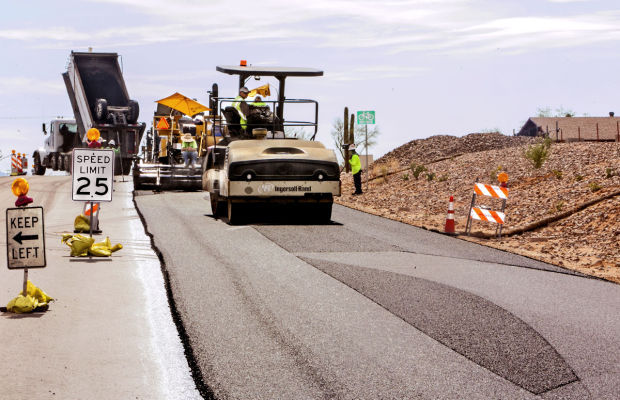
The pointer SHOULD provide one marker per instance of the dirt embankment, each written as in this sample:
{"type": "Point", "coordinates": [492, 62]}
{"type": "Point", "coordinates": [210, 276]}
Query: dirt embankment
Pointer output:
{"type": "Point", "coordinates": [566, 213]}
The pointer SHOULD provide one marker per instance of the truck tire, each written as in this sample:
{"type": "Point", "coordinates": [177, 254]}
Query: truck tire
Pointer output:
{"type": "Point", "coordinates": [36, 165]}
{"type": "Point", "coordinates": [101, 110]}
{"type": "Point", "coordinates": [54, 161]}
{"type": "Point", "coordinates": [133, 112]}
{"type": "Point", "coordinates": [68, 164]}
{"type": "Point", "coordinates": [61, 162]}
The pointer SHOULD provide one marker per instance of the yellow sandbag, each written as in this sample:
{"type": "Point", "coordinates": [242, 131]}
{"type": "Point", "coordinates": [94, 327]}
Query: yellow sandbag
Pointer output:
{"type": "Point", "coordinates": [79, 244]}
{"type": "Point", "coordinates": [35, 298]}
{"type": "Point", "coordinates": [22, 304]}
{"type": "Point", "coordinates": [82, 246]}
{"type": "Point", "coordinates": [104, 249]}
{"type": "Point", "coordinates": [82, 223]}
{"type": "Point", "coordinates": [37, 293]}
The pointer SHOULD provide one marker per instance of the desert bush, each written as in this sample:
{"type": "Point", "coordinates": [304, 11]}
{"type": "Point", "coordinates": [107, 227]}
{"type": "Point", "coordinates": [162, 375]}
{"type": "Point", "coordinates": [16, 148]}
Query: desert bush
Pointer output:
{"type": "Point", "coordinates": [494, 172]}
{"type": "Point", "coordinates": [558, 174]}
{"type": "Point", "coordinates": [578, 178]}
{"type": "Point", "coordinates": [416, 169]}
{"type": "Point", "coordinates": [405, 177]}
{"type": "Point", "coordinates": [430, 176]}
{"type": "Point", "coordinates": [384, 170]}
{"type": "Point", "coordinates": [594, 186]}
{"type": "Point", "coordinates": [610, 172]}
{"type": "Point", "coordinates": [537, 154]}
{"type": "Point", "coordinates": [443, 178]}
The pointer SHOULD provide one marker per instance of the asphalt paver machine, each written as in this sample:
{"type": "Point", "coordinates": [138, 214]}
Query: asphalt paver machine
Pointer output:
{"type": "Point", "coordinates": [161, 165]}
{"type": "Point", "coordinates": [258, 163]}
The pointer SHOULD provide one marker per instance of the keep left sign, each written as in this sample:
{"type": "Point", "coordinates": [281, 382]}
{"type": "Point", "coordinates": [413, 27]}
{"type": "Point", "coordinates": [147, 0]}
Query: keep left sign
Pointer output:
{"type": "Point", "coordinates": [25, 238]}
{"type": "Point", "coordinates": [93, 174]}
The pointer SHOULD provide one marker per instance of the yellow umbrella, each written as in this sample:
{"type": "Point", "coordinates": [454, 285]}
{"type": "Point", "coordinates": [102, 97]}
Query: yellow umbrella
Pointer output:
{"type": "Point", "coordinates": [183, 104]}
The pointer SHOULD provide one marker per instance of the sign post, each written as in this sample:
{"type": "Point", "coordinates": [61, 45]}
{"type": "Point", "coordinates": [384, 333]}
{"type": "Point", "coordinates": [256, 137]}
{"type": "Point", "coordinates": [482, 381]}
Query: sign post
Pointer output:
{"type": "Point", "coordinates": [25, 238]}
{"type": "Point", "coordinates": [366, 118]}
{"type": "Point", "coordinates": [93, 177]}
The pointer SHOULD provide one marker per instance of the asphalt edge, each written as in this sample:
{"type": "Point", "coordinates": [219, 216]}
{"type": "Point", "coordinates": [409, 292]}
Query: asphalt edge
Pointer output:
{"type": "Point", "coordinates": [565, 270]}
{"type": "Point", "coordinates": [205, 391]}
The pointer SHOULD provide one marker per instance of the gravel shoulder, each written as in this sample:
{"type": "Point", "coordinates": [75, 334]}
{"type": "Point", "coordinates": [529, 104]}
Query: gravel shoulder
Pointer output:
{"type": "Point", "coordinates": [584, 239]}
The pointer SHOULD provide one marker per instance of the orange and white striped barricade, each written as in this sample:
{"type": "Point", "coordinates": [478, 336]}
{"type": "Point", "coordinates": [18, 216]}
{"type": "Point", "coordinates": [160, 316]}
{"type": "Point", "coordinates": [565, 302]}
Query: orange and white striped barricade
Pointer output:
{"type": "Point", "coordinates": [24, 164]}
{"type": "Point", "coordinates": [13, 163]}
{"type": "Point", "coordinates": [484, 213]}
{"type": "Point", "coordinates": [91, 210]}
{"type": "Point", "coordinates": [18, 161]}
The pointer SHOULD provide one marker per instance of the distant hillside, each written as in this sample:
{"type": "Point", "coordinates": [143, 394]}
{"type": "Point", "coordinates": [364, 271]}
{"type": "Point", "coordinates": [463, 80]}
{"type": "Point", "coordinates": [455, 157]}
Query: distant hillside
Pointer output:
{"type": "Point", "coordinates": [439, 147]}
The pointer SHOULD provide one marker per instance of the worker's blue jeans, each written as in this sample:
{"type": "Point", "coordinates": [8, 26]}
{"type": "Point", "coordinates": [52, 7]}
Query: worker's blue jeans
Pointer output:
{"type": "Point", "coordinates": [190, 155]}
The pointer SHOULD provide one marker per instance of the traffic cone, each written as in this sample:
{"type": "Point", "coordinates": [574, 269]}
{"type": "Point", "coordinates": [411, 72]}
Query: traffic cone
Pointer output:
{"type": "Point", "coordinates": [449, 228]}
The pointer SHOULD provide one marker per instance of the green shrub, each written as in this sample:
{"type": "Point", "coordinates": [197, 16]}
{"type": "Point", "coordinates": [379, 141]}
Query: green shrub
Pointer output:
{"type": "Point", "coordinates": [537, 154]}
{"type": "Point", "coordinates": [594, 186]}
{"type": "Point", "coordinates": [430, 176]}
{"type": "Point", "coordinates": [558, 174]}
{"type": "Point", "coordinates": [405, 177]}
{"type": "Point", "coordinates": [610, 173]}
{"type": "Point", "coordinates": [416, 169]}
{"type": "Point", "coordinates": [578, 178]}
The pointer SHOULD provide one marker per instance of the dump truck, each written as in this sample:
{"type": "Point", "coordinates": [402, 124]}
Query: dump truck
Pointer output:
{"type": "Point", "coordinates": [55, 154]}
{"type": "Point", "coordinates": [160, 164]}
{"type": "Point", "coordinates": [99, 99]}
{"type": "Point", "coordinates": [257, 163]}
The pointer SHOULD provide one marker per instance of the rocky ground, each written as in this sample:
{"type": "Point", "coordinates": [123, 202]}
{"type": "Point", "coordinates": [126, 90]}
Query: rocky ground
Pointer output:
{"type": "Point", "coordinates": [565, 213]}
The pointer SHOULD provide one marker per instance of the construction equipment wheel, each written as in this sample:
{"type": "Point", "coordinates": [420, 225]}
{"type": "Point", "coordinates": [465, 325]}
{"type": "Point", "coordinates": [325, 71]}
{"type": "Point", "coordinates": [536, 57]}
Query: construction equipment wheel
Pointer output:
{"type": "Point", "coordinates": [218, 207]}
{"type": "Point", "coordinates": [323, 213]}
{"type": "Point", "coordinates": [37, 167]}
{"type": "Point", "coordinates": [234, 212]}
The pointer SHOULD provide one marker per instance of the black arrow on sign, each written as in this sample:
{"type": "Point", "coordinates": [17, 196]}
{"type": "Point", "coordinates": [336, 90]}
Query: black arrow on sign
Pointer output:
{"type": "Point", "coordinates": [19, 237]}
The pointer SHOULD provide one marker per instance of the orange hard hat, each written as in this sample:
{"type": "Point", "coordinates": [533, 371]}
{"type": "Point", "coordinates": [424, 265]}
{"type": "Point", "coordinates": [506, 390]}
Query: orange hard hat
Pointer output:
{"type": "Point", "coordinates": [20, 187]}
{"type": "Point", "coordinates": [93, 134]}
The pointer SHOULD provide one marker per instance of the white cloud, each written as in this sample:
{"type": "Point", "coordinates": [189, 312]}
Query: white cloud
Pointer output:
{"type": "Point", "coordinates": [371, 73]}
{"type": "Point", "coordinates": [445, 26]}
{"type": "Point", "coordinates": [22, 85]}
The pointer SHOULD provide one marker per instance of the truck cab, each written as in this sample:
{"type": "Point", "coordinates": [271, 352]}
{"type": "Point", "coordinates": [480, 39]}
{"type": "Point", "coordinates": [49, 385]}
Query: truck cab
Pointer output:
{"type": "Point", "coordinates": [61, 137]}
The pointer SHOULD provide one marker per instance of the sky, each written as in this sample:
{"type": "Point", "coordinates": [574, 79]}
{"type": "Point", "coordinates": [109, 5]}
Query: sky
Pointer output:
{"type": "Point", "coordinates": [426, 67]}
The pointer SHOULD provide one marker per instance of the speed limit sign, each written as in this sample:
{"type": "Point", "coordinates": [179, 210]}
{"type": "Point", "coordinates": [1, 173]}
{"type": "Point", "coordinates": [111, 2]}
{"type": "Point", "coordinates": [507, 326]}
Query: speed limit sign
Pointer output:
{"type": "Point", "coordinates": [93, 174]}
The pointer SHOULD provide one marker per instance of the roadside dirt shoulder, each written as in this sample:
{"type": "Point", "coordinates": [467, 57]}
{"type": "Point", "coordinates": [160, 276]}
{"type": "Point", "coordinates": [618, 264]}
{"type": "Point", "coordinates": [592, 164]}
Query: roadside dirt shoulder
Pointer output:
{"type": "Point", "coordinates": [566, 213]}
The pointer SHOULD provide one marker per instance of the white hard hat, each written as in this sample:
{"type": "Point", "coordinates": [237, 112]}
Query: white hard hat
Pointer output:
{"type": "Point", "coordinates": [352, 146]}
{"type": "Point", "coordinates": [112, 143]}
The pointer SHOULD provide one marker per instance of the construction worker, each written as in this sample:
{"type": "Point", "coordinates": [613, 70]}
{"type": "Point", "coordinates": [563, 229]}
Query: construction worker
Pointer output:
{"type": "Point", "coordinates": [241, 106]}
{"type": "Point", "coordinates": [258, 102]}
{"type": "Point", "coordinates": [356, 170]}
{"type": "Point", "coordinates": [189, 150]}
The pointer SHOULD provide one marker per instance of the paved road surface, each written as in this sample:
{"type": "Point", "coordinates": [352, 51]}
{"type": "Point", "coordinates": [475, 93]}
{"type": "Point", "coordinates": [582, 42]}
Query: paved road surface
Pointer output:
{"type": "Point", "coordinates": [371, 308]}
{"type": "Point", "coordinates": [109, 334]}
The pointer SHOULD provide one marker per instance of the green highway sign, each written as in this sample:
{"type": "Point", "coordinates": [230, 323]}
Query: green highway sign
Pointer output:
{"type": "Point", "coordinates": [365, 117]}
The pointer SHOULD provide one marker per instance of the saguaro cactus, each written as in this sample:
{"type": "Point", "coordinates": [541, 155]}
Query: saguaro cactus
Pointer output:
{"type": "Point", "coordinates": [345, 139]}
